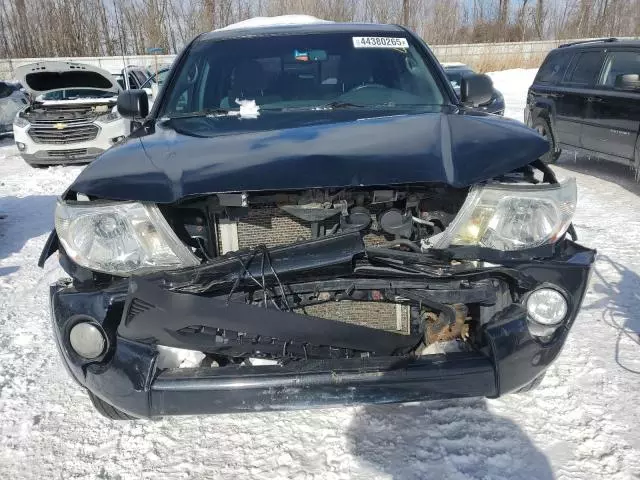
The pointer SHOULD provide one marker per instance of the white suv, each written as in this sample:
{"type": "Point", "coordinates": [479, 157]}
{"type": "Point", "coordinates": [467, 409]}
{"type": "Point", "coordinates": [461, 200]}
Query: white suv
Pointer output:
{"type": "Point", "coordinates": [72, 115]}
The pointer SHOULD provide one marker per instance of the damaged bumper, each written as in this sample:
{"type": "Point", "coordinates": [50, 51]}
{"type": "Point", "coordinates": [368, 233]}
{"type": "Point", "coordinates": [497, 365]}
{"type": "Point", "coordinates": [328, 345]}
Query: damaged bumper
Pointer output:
{"type": "Point", "coordinates": [329, 362]}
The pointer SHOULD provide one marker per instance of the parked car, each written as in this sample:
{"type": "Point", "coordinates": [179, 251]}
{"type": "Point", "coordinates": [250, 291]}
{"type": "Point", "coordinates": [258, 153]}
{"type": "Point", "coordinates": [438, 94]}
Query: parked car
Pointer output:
{"type": "Point", "coordinates": [455, 71]}
{"type": "Point", "coordinates": [130, 76]}
{"type": "Point", "coordinates": [309, 215]}
{"type": "Point", "coordinates": [586, 98]}
{"type": "Point", "coordinates": [12, 100]}
{"type": "Point", "coordinates": [71, 117]}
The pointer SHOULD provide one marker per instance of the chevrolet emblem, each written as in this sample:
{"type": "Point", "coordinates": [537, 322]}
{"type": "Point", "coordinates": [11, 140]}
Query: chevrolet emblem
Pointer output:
{"type": "Point", "coordinates": [59, 126]}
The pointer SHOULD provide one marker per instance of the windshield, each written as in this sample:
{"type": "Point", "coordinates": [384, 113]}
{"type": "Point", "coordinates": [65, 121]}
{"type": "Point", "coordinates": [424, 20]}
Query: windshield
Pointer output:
{"type": "Point", "coordinates": [74, 94]}
{"type": "Point", "coordinates": [304, 72]}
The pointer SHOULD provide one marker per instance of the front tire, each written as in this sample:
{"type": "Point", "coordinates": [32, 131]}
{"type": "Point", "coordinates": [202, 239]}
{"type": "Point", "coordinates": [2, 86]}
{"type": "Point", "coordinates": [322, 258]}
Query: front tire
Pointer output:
{"type": "Point", "coordinates": [109, 411]}
{"type": "Point", "coordinates": [542, 126]}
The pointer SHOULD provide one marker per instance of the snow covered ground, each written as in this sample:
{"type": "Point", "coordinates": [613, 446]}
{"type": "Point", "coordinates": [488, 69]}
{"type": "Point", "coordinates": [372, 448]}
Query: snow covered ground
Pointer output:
{"type": "Point", "coordinates": [583, 422]}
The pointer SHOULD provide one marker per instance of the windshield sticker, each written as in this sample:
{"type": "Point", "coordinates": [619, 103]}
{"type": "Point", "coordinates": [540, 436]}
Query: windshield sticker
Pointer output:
{"type": "Point", "coordinates": [380, 42]}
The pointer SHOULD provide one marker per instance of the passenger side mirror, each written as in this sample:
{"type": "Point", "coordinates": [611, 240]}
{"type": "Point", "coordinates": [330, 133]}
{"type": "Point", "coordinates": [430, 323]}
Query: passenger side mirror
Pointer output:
{"type": "Point", "coordinates": [476, 89]}
{"type": "Point", "coordinates": [133, 104]}
{"type": "Point", "coordinates": [628, 81]}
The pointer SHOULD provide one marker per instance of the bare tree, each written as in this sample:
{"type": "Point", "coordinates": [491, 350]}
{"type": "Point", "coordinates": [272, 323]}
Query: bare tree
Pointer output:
{"type": "Point", "coordinates": [36, 28]}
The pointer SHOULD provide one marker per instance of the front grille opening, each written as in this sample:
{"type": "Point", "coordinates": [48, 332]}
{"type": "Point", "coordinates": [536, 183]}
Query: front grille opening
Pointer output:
{"type": "Point", "coordinates": [271, 226]}
{"type": "Point", "coordinates": [381, 315]}
{"type": "Point", "coordinates": [63, 133]}
{"type": "Point", "coordinates": [67, 153]}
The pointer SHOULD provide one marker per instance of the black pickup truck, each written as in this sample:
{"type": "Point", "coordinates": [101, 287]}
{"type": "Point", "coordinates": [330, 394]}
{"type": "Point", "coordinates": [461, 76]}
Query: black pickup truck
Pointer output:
{"type": "Point", "coordinates": [310, 215]}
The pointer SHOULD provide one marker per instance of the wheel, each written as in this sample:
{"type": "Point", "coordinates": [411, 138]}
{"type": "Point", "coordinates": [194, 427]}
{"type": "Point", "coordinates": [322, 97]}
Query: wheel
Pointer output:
{"type": "Point", "coordinates": [541, 125]}
{"type": "Point", "coordinates": [532, 385]}
{"type": "Point", "coordinates": [109, 411]}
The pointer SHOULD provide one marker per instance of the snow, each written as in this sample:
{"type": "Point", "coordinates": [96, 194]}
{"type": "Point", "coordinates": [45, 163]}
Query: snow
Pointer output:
{"type": "Point", "coordinates": [582, 423]}
{"type": "Point", "coordinates": [258, 22]}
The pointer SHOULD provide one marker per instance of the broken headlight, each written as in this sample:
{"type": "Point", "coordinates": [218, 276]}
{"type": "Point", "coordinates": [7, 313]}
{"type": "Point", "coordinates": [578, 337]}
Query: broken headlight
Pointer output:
{"type": "Point", "coordinates": [119, 238]}
{"type": "Point", "coordinates": [512, 217]}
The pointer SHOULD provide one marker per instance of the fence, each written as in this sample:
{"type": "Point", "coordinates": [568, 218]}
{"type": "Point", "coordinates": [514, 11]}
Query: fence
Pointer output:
{"type": "Point", "coordinates": [482, 56]}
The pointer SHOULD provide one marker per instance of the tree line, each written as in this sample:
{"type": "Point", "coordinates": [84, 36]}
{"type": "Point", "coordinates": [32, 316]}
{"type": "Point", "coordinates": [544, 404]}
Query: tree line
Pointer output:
{"type": "Point", "coordinates": [48, 28]}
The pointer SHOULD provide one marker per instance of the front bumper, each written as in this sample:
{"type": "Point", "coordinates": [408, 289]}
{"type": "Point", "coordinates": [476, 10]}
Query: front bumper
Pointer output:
{"type": "Point", "coordinates": [35, 153]}
{"type": "Point", "coordinates": [127, 376]}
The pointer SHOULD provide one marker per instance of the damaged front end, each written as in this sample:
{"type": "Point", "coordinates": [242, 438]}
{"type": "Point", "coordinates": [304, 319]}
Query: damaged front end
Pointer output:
{"type": "Point", "coordinates": [244, 301]}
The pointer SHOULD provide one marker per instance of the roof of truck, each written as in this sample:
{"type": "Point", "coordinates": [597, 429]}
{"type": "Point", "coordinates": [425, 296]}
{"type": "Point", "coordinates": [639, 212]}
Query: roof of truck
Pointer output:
{"type": "Point", "coordinates": [600, 43]}
{"type": "Point", "coordinates": [301, 29]}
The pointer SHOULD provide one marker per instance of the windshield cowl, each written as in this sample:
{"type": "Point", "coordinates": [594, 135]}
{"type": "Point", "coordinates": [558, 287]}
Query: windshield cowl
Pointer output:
{"type": "Point", "coordinates": [221, 122]}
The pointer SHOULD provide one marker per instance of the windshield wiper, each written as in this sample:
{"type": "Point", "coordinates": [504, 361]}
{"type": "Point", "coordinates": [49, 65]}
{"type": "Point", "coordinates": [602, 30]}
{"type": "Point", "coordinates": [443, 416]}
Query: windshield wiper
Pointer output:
{"type": "Point", "coordinates": [201, 113]}
{"type": "Point", "coordinates": [337, 104]}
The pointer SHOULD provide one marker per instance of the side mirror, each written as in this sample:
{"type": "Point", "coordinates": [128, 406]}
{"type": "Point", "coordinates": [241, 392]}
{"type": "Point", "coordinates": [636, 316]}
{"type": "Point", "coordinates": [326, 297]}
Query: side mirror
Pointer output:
{"type": "Point", "coordinates": [133, 104]}
{"type": "Point", "coordinates": [627, 81]}
{"type": "Point", "coordinates": [476, 89]}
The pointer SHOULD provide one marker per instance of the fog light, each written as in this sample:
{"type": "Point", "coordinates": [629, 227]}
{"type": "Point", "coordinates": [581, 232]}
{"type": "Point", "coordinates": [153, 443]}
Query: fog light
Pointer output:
{"type": "Point", "coordinates": [547, 306]}
{"type": "Point", "coordinates": [21, 146]}
{"type": "Point", "coordinates": [87, 340]}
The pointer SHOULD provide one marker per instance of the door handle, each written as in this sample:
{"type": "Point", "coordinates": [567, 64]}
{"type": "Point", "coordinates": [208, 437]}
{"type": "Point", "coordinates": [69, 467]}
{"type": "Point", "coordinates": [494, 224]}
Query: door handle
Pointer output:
{"type": "Point", "coordinates": [555, 95]}
{"type": "Point", "coordinates": [594, 100]}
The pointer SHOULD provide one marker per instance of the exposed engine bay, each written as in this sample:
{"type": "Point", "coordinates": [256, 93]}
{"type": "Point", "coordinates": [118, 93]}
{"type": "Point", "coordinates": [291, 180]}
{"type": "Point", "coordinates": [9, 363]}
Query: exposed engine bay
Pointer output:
{"type": "Point", "coordinates": [54, 111]}
{"type": "Point", "coordinates": [355, 263]}
{"type": "Point", "coordinates": [227, 222]}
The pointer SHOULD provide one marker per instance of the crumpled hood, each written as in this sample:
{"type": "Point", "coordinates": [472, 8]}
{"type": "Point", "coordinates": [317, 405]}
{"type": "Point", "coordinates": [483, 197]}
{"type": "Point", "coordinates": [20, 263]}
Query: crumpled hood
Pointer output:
{"type": "Point", "coordinates": [458, 150]}
{"type": "Point", "coordinates": [42, 77]}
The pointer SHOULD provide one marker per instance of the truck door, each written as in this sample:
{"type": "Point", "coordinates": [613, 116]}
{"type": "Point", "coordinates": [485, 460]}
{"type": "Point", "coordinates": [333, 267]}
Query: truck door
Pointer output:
{"type": "Point", "coordinates": [613, 109]}
{"type": "Point", "coordinates": [572, 101]}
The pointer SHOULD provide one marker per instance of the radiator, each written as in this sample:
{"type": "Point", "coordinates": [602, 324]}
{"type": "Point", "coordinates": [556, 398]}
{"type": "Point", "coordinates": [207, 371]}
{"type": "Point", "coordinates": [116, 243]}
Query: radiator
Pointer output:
{"type": "Point", "coordinates": [272, 226]}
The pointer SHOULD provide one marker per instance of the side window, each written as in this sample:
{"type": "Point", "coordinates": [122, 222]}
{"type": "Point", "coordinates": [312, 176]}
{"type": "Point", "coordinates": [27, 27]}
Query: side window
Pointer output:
{"type": "Point", "coordinates": [183, 97]}
{"type": "Point", "coordinates": [553, 68]}
{"type": "Point", "coordinates": [620, 63]}
{"type": "Point", "coordinates": [586, 69]}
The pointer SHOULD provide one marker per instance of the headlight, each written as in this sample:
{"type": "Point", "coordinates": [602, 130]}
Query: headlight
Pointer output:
{"type": "Point", "coordinates": [119, 238]}
{"type": "Point", "coordinates": [512, 217]}
{"type": "Point", "coordinates": [109, 117]}
{"type": "Point", "coordinates": [19, 121]}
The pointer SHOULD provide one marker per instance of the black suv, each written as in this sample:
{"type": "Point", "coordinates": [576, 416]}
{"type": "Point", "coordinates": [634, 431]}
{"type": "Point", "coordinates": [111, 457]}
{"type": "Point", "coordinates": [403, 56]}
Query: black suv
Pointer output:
{"type": "Point", "coordinates": [586, 98]}
{"type": "Point", "coordinates": [309, 215]}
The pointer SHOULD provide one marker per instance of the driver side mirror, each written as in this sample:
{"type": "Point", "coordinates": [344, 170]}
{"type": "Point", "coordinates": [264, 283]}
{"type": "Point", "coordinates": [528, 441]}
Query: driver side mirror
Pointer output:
{"type": "Point", "coordinates": [133, 104]}
{"type": "Point", "coordinates": [476, 89]}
